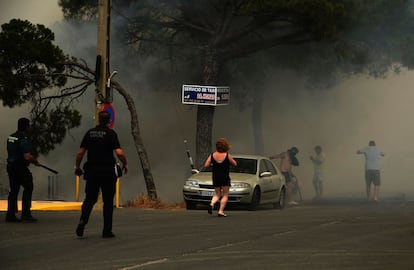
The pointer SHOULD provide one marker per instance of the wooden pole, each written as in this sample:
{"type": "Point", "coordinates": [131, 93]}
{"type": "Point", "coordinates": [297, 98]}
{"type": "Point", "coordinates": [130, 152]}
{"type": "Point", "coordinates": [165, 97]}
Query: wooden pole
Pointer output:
{"type": "Point", "coordinates": [102, 53]}
{"type": "Point", "coordinates": [102, 59]}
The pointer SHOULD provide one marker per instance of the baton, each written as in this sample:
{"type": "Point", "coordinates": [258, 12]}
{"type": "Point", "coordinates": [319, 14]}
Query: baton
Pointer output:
{"type": "Point", "coordinates": [49, 169]}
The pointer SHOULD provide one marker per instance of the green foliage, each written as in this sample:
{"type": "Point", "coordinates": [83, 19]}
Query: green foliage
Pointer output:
{"type": "Point", "coordinates": [407, 57]}
{"type": "Point", "coordinates": [364, 35]}
{"type": "Point", "coordinates": [29, 62]}
{"type": "Point", "coordinates": [50, 128]}
{"type": "Point", "coordinates": [31, 71]}
{"type": "Point", "coordinates": [79, 9]}
{"type": "Point", "coordinates": [321, 18]}
{"type": "Point", "coordinates": [373, 40]}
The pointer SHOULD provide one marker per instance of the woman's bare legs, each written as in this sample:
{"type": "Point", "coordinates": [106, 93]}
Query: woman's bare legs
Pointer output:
{"type": "Point", "coordinates": [216, 196]}
{"type": "Point", "coordinates": [224, 199]}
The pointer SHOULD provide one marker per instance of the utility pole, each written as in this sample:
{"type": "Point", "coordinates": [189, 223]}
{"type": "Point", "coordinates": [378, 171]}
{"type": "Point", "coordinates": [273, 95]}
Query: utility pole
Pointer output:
{"type": "Point", "coordinates": [102, 54]}
{"type": "Point", "coordinates": [102, 67]}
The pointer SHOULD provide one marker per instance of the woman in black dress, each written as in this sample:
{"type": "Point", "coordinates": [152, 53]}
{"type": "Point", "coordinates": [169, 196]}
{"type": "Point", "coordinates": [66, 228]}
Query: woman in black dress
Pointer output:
{"type": "Point", "coordinates": [221, 161]}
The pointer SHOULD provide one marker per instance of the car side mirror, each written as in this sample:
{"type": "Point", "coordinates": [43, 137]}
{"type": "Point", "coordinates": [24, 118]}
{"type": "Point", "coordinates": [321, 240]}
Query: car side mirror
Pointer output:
{"type": "Point", "coordinates": [265, 174]}
{"type": "Point", "coordinates": [194, 171]}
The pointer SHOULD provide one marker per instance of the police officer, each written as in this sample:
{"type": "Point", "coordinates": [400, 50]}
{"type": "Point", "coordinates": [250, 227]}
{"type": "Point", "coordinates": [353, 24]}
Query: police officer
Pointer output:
{"type": "Point", "coordinates": [18, 160]}
{"type": "Point", "coordinates": [100, 143]}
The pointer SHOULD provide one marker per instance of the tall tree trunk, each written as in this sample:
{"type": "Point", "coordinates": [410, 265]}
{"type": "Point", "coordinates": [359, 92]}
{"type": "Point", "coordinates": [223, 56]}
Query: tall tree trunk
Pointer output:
{"type": "Point", "coordinates": [205, 113]}
{"type": "Point", "coordinates": [139, 144]}
{"type": "Point", "coordinates": [205, 117]}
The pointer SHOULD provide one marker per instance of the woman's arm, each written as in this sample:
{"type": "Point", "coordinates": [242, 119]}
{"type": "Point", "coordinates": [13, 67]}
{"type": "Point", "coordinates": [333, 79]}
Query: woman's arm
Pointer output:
{"type": "Point", "coordinates": [207, 163]}
{"type": "Point", "coordinates": [232, 161]}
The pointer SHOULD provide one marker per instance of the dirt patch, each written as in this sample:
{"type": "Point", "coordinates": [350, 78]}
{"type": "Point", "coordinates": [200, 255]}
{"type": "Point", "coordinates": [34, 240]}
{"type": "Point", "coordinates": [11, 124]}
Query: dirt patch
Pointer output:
{"type": "Point", "coordinates": [144, 202]}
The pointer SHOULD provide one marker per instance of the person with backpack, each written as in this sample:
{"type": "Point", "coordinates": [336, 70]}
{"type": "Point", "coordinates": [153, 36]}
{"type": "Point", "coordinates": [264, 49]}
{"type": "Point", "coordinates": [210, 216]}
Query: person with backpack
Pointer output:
{"type": "Point", "coordinates": [287, 160]}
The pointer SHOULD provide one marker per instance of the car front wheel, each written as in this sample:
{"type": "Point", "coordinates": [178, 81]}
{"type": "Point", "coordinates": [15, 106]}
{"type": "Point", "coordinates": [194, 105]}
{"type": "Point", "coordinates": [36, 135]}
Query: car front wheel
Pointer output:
{"type": "Point", "coordinates": [255, 199]}
{"type": "Point", "coordinates": [282, 200]}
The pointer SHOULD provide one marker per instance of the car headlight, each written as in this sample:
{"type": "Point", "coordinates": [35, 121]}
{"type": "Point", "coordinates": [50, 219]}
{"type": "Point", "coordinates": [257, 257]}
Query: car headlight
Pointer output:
{"type": "Point", "coordinates": [191, 183]}
{"type": "Point", "coordinates": [240, 185]}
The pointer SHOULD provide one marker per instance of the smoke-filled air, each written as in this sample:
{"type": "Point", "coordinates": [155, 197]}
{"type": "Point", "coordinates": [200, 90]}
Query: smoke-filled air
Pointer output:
{"type": "Point", "coordinates": [341, 117]}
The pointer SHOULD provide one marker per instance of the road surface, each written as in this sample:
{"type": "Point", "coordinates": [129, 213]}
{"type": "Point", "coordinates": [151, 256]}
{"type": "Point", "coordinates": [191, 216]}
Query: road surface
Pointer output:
{"type": "Point", "coordinates": [331, 234]}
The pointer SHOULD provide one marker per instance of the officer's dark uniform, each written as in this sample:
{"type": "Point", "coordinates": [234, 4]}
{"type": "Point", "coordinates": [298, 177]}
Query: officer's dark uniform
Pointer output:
{"type": "Point", "coordinates": [19, 175]}
{"type": "Point", "coordinates": [100, 142]}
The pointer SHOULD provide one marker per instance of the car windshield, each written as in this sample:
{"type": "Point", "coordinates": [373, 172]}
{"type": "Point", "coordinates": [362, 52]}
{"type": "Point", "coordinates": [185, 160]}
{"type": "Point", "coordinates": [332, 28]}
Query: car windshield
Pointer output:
{"type": "Point", "coordinates": [244, 165]}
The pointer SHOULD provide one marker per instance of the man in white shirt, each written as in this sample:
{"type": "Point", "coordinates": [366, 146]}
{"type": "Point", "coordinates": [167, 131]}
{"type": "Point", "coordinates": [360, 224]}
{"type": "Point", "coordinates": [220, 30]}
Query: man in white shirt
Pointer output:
{"type": "Point", "coordinates": [372, 168]}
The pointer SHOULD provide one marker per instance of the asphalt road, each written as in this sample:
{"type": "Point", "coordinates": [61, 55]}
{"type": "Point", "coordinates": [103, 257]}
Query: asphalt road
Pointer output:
{"type": "Point", "coordinates": [333, 234]}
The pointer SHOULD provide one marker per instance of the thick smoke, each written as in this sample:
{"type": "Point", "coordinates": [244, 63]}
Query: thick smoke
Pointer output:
{"type": "Point", "coordinates": [341, 120]}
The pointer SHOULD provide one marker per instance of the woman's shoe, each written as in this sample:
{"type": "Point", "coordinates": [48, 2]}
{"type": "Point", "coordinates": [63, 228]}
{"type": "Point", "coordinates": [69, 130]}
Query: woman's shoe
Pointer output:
{"type": "Point", "coordinates": [221, 215]}
{"type": "Point", "coordinates": [210, 209]}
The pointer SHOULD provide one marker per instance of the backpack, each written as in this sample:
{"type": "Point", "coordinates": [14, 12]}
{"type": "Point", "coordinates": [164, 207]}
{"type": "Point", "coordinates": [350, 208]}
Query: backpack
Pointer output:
{"type": "Point", "coordinates": [293, 160]}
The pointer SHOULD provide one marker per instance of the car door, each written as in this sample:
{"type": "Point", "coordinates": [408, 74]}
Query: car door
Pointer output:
{"type": "Point", "coordinates": [266, 180]}
{"type": "Point", "coordinates": [275, 180]}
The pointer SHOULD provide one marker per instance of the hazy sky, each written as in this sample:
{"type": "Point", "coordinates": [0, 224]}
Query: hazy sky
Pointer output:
{"type": "Point", "coordinates": [36, 11]}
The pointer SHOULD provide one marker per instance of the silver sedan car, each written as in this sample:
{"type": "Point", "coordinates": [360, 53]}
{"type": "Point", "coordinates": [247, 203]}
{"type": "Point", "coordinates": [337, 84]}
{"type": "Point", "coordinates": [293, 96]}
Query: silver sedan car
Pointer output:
{"type": "Point", "coordinates": [254, 181]}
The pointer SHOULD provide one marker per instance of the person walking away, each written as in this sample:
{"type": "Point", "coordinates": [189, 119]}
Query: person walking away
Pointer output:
{"type": "Point", "coordinates": [318, 171]}
{"type": "Point", "coordinates": [100, 143]}
{"type": "Point", "coordinates": [221, 161]}
{"type": "Point", "coordinates": [287, 159]}
{"type": "Point", "coordinates": [372, 168]}
{"type": "Point", "coordinates": [19, 157]}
